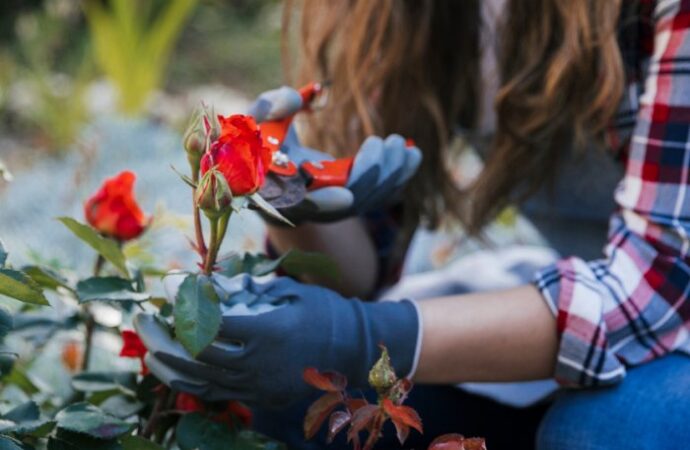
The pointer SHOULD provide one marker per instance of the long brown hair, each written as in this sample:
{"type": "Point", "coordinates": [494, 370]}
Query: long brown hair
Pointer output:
{"type": "Point", "coordinates": [412, 67]}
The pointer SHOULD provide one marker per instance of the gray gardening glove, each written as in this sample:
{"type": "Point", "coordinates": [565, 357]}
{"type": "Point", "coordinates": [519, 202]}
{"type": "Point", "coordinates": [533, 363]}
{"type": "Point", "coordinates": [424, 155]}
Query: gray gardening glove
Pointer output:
{"type": "Point", "coordinates": [259, 359]}
{"type": "Point", "coordinates": [380, 170]}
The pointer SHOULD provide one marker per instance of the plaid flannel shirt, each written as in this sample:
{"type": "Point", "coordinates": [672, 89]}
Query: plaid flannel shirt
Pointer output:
{"type": "Point", "coordinates": [634, 304]}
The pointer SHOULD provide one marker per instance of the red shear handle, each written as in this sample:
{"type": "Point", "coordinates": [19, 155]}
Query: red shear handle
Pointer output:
{"type": "Point", "coordinates": [331, 173]}
{"type": "Point", "coordinates": [273, 132]}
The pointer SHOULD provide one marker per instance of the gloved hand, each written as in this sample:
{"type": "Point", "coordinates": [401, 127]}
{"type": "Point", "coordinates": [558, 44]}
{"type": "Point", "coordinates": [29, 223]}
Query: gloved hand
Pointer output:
{"type": "Point", "coordinates": [380, 169]}
{"type": "Point", "coordinates": [259, 359]}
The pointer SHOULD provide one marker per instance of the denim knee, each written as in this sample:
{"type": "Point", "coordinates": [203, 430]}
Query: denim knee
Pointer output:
{"type": "Point", "coordinates": [648, 410]}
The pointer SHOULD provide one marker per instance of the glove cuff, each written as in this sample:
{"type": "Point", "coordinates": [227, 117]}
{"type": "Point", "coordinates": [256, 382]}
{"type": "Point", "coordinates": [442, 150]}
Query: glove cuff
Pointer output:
{"type": "Point", "coordinates": [397, 325]}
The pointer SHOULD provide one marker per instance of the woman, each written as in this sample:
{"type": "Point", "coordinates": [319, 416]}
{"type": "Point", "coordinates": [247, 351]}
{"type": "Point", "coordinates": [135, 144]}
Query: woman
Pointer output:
{"type": "Point", "coordinates": [582, 85]}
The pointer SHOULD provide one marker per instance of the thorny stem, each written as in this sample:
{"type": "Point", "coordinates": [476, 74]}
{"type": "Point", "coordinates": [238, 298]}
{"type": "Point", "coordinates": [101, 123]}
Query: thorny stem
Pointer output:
{"type": "Point", "coordinates": [375, 432]}
{"type": "Point", "coordinates": [158, 407]}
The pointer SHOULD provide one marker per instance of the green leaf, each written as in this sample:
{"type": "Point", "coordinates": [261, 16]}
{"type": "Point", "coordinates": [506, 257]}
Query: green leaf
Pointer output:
{"type": "Point", "coordinates": [6, 322]}
{"type": "Point", "coordinates": [299, 263]}
{"type": "Point", "coordinates": [108, 248]}
{"type": "Point", "coordinates": [7, 361]}
{"type": "Point", "coordinates": [138, 443]}
{"type": "Point", "coordinates": [194, 431]}
{"type": "Point", "coordinates": [251, 440]}
{"type": "Point", "coordinates": [121, 406]}
{"type": "Point", "coordinates": [109, 289]}
{"type": "Point", "coordinates": [19, 286]}
{"type": "Point", "coordinates": [103, 381]}
{"type": "Point", "coordinates": [45, 277]}
{"type": "Point", "coordinates": [67, 440]}
{"type": "Point", "coordinates": [19, 377]}
{"type": "Point", "coordinates": [266, 207]}
{"type": "Point", "coordinates": [88, 419]}
{"type": "Point", "coordinates": [34, 428]}
{"type": "Point", "coordinates": [197, 313]}
{"type": "Point", "coordinates": [22, 413]}
{"type": "Point", "coordinates": [8, 443]}
{"type": "Point", "coordinates": [3, 254]}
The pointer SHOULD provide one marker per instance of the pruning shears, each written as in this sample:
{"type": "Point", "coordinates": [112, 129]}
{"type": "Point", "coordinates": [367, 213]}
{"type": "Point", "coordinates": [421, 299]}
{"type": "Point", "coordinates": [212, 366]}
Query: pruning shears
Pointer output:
{"type": "Point", "coordinates": [316, 175]}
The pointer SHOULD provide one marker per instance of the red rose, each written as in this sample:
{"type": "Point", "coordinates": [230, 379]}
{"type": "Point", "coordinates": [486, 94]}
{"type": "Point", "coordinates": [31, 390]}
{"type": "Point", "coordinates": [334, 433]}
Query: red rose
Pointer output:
{"type": "Point", "coordinates": [132, 347]}
{"type": "Point", "coordinates": [113, 210]}
{"type": "Point", "coordinates": [239, 154]}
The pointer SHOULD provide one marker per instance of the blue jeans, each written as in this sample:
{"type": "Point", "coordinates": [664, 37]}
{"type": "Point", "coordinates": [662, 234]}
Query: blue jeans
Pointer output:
{"type": "Point", "coordinates": [649, 410]}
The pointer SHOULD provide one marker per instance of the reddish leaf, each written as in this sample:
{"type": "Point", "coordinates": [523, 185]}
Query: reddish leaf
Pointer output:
{"type": "Point", "coordinates": [402, 431]}
{"type": "Point", "coordinates": [402, 415]}
{"type": "Point", "coordinates": [448, 442]}
{"type": "Point", "coordinates": [329, 381]}
{"type": "Point", "coordinates": [353, 404]}
{"type": "Point", "coordinates": [319, 411]}
{"type": "Point", "coordinates": [361, 419]}
{"type": "Point", "coordinates": [475, 444]}
{"type": "Point", "coordinates": [338, 421]}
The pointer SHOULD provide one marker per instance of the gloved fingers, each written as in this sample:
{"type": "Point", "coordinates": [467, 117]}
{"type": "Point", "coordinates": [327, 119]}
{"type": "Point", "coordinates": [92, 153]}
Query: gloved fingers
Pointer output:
{"type": "Point", "coordinates": [156, 338]}
{"type": "Point", "coordinates": [213, 393]}
{"type": "Point", "coordinates": [393, 157]}
{"type": "Point", "coordinates": [195, 369]}
{"type": "Point", "coordinates": [276, 104]}
{"type": "Point", "coordinates": [392, 166]}
{"type": "Point", "coordinates": [170, 376]}
{"type": "Point", "coordinates": [226, 287]}
{"type": "Point", "coordinates": [331, 199]}
{"type": "Point", "coordinates": [413, 158]}
{"type": "Point", "coordinates": [298, 153]}
{"type": "Point", "coordinates": [366, 166]}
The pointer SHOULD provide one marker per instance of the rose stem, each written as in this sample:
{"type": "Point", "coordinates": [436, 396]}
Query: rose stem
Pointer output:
{"type": "Point", "coordinates": [158, 406]}
{"type": "Point", "coordinates": [89, 321]}
{"type": "Point", "coordinates": [200, 244]}
{"type": "Point", "coordinates": [223, 227]}
{"type": "Point", "coordinates": [212, 248]}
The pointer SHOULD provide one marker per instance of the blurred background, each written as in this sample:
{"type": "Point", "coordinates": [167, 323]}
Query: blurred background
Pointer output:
{"type": "Point", "coordinates": [92, 87]}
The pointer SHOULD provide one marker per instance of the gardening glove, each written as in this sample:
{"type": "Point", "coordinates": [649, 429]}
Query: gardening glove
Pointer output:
{"type": "Point", "coordinates": [380, 170]}
{"type": "Point", "coordinates": [259, 359]}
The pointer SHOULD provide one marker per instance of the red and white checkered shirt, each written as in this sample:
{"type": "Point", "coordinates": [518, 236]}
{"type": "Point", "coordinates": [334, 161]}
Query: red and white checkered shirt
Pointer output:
{"type": "Point", "coordinates": [634, 304]}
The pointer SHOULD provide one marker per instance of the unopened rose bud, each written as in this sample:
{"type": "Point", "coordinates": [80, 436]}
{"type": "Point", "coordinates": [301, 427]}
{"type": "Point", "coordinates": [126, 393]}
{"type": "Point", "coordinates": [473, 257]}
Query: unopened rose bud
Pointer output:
{"type": "Point", "coordinates": [213, 195]}
{"type": "Point", "coordinates": [382, 376]}
{"type": "Point", "coordinates": [203, 129]}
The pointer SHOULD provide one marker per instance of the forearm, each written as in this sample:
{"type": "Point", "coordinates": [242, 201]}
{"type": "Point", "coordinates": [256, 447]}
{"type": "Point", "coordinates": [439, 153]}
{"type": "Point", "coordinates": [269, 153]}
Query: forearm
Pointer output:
{"type": "Point", "coordinates": [346, 242]}
{"type": "Point", "coordinates": [494, 336]}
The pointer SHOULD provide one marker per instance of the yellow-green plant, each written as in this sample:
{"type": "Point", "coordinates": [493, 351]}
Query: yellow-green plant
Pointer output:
{"type": "Point", "coordinates": [133, 41]}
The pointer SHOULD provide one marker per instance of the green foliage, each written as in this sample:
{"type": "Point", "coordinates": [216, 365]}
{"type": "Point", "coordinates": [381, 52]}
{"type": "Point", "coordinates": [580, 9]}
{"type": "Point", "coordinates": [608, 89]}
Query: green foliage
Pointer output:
{"type": "Point", "coordinates": [133, 42]}
{"type": "Point", "coordinates": [295, 262]}
{"type": "Point", "coordinates": [19, 286]}
{"type": "Point", "coordinates": [108, 248]}
{"type": "Point", "coordinates": [104, 381]}
{"type": "Point", "coordinates": [197, 313]}
{"type": "Point", "coordinates": [87, 419]}
{"type": "Point", "coordinates": [109, 289]}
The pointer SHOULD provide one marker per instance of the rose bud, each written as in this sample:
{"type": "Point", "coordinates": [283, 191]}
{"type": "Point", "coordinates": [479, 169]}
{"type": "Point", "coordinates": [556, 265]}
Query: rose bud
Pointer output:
{"type": "Point", "coordinates": [382, 376]}
{"type": "Point", "coordinates": [213, 194]}
{"type": "Point", "coordinates": [239, 154]}
{"type": "Point", "coordinates": [113, 210]}
{"type": "Point", "coordinates": [201, 126]}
